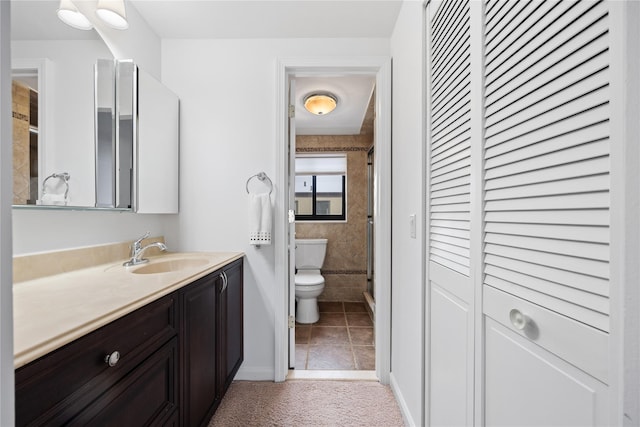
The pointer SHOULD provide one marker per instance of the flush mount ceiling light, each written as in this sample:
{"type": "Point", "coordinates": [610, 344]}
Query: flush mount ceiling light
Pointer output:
{"type": "Point", "coordinates": [69, 14]}
{"type": "Point", "coordinates": [113, 13]}
{"type": "Point", "coordinates": [320, 103]}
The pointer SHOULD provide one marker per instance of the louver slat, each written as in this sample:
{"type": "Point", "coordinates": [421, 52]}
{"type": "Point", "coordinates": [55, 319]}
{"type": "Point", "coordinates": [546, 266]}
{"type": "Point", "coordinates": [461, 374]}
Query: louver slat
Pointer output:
{"type": "Point", "coordinates": [514, 20]}
{"type": "Point", "coordinates": [546, 158]}
{"type": "Point", "coordinates": [555, 30]}
{"type": "Point", "coordinates": [450, 137]}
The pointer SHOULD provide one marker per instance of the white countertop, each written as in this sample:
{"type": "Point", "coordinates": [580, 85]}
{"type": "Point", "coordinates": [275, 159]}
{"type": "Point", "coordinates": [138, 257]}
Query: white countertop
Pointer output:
{"type": "Point", "coordinates": [53, 311]}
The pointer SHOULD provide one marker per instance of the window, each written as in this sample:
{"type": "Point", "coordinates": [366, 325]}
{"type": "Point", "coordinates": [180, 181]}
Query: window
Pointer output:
{"type": "Point", "coordinates": [320, 187]}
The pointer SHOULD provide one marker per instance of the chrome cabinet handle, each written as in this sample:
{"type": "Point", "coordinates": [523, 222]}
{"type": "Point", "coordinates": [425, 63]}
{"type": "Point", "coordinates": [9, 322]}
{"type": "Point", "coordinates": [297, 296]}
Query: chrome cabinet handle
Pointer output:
{"type": "Point", "coordinates": [519, 319]}
{"type": "Point", "coordinates": [112, 359]}
{"type": "Point", "coordinates": [225, 281]}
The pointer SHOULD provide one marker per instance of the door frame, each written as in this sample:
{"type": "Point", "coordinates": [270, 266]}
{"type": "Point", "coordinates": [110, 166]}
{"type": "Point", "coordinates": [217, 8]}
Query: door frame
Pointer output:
{"type": "Point", "coordinates": [380, 66]}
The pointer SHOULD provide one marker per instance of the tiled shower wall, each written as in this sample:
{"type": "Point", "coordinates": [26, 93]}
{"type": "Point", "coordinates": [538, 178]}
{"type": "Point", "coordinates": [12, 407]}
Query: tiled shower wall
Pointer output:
{"type": "Point", "coordinates": [21, 175]}
{"type": "Point", "coordinates": [345, 265]}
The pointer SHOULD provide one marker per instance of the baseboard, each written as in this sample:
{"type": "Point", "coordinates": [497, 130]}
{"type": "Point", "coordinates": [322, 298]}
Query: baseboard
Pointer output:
{"type": "Point", "coordinates": [255, 373]}
{"type": "Point", "coordinates": [404, 409]}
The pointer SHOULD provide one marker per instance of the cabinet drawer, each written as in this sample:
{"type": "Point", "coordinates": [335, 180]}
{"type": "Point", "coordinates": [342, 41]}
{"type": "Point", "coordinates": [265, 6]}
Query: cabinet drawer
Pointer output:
{"type": "Point", "coordinates": [581, 345]}
{"type": "Point", "coordinates": [147, 396]}
{"type": "Point", "coordinates": [59, 385]}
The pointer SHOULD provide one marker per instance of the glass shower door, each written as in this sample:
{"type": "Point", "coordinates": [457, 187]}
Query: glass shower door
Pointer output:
{"type": "Point", "coordinates": [370, 265]}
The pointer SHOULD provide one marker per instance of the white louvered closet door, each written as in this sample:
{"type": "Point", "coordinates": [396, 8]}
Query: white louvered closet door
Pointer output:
{"type": "Point", "coordinates": [449, 223]}
{"type": "Point", "coordinates": [546, 211]}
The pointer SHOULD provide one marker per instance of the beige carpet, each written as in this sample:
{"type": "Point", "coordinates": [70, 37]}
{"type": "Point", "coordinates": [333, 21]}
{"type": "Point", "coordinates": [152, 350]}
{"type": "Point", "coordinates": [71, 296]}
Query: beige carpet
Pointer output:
{"type": "Point", "coordinates": [308, 403]}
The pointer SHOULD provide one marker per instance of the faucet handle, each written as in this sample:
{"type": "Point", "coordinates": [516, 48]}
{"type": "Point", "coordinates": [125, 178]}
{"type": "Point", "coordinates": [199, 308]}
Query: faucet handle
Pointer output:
{"type": "Point", "coordinates": [136, 245]}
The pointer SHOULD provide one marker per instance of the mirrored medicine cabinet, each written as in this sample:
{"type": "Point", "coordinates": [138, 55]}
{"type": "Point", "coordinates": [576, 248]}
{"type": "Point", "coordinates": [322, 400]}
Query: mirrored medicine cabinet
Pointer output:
{"type": "Point", "coordinates": [137, 133]}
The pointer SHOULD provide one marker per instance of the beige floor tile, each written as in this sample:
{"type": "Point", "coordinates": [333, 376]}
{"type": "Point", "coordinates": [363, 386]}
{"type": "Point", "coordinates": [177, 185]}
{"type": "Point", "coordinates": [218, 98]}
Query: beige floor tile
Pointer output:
{"type": "Point", "coordinates": [329, 335]}
{"type": "Point", "coordinates": [331, 319]}
{"type": "Point", "coordinates": [301, 356]}
{"type": "Point", "coordinates": [330, 357]}
{"type": "Point", "coordinates": [330, 307]}
{"type": "Point", "coordinates": [302, 334]}
{"type": "Point", "coordinates": [361, 336]}
{"type": "Point", "coordinates": [359, 319]}
{"type": "Point", "coordinates": [365, 357]}
{"type": "Point", "coordinates": [355, 307]}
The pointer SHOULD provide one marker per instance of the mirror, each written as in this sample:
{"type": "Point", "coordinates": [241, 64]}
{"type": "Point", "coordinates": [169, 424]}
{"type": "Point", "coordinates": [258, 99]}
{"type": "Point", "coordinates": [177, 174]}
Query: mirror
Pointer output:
{"type": "Point", "coordinates": [54, 63]}
{"type": "Point", "coordinates": [137, 139]}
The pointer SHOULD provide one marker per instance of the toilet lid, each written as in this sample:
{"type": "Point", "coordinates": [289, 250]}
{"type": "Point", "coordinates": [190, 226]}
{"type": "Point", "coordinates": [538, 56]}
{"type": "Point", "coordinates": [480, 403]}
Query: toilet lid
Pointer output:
{"type": "Point", "coordinates": [309, 279]}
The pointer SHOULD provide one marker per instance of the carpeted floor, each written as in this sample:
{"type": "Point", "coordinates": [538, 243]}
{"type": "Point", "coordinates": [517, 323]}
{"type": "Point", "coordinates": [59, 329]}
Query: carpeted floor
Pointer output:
{"type": "Point", "coordinates": [308, 403]}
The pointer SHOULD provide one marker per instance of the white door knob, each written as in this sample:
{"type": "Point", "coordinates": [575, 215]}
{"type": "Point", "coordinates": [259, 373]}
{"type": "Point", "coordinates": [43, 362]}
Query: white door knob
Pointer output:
{"type": "Point", "coordinates": [518, 319]}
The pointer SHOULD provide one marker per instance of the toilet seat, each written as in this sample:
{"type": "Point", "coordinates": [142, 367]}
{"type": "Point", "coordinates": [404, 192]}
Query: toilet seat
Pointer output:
{"type": "Point", "coordinates": [308, 279]}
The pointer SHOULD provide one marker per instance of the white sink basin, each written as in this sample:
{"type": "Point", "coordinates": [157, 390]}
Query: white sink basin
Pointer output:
{"type": "Point", "coordinates": [169, 266]}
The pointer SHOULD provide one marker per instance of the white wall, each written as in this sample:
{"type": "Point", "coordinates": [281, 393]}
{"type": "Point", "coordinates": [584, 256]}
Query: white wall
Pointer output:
{"type": "Point", "coordinates": [227, 91]}
{"type": "Point", "coordinates": [407, 367]}
{"type": "Point", "coordinates": [48, 230]}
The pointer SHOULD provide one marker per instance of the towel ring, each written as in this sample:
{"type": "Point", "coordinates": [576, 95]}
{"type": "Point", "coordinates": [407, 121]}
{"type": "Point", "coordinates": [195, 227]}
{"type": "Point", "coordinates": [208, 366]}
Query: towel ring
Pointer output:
{"type": "Point", "coordinates": [64, 176]}
{"type": "Point", "coordinates": [262, 177]}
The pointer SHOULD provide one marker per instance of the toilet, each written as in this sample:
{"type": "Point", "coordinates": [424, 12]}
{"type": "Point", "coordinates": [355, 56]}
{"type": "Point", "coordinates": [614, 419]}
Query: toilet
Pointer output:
{"type": "Point", "coordinates": [309, 282]}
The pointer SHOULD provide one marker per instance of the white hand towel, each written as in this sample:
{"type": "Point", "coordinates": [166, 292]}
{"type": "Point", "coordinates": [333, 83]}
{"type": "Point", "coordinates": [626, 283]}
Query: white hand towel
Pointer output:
{"type": "Point", "coordinates": [260, 219]}
{"type": "Point", "coordinates": [52, 199]}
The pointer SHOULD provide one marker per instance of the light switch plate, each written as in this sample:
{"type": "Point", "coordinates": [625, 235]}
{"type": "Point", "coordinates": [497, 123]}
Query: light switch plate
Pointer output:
{"type": "Point", "coordinates": [412, 226]}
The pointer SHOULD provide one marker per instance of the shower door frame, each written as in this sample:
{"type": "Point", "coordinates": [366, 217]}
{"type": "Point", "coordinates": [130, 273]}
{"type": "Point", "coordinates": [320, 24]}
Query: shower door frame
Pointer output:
{"type": "Point", "coordinates": [370, 228]}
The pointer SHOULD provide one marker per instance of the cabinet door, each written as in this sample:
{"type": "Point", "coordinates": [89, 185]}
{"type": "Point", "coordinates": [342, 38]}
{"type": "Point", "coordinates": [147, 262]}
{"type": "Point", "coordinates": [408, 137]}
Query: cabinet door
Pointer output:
{"type": "Point", "coordinates": [199, 350]}
{"type": "Point", "coordinates": [231, 326]}
{"type": "Point", "coordinates": [450, 222]}
{"type": "Point", "coordinates": [147, 396]}
{"type": "Point", "coordinates": [527, 385]}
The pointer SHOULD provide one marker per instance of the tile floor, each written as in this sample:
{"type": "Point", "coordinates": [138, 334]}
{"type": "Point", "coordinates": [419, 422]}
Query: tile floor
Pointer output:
{"type": "Point", "coordinates": [341, 340]}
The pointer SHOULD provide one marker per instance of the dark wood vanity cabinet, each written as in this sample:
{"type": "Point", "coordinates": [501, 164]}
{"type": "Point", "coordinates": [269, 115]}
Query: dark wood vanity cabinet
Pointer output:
{"type": "Point", "coordinates": [212, 341]}
{"type": "Point", "coordinates": [76, 385]}
{"type": "Point", "coordinates": [177, 357]}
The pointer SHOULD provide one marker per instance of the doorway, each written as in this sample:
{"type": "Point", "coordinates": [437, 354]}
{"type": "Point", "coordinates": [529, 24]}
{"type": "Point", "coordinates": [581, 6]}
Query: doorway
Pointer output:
{"type": "Point", "coordinates": [330, 203]}
{"type": "Point", "coordinates": [288, 71]}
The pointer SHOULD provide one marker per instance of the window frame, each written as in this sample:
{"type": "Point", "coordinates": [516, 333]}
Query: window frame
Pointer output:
{"type": "Point", "coordinates": [314, 216]}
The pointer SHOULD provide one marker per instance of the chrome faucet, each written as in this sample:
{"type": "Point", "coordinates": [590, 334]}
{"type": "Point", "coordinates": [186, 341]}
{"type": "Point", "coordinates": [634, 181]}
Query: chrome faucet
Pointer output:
{"type": "Point", "coordinates": [137, 250]}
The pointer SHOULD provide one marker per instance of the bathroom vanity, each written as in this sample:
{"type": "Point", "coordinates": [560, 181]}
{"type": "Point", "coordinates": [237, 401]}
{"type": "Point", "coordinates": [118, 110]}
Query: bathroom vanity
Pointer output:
{"type": "Point", "coordinates": [168, 361]}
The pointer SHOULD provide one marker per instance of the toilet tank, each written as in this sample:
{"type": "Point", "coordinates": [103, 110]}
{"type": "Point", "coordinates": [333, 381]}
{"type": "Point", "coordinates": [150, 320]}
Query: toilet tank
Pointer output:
{"type": "Point", "coordinates": [310, 253]}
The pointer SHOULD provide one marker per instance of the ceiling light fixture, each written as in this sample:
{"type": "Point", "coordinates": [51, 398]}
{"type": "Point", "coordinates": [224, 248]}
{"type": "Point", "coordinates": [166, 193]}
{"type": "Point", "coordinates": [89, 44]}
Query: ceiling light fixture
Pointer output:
{"type": "Point", "coordinates": [113, 13]}
{"type": "Point", "coordinates": [69, 14]}
{"type": "Point", "coordinates": [320, 103]}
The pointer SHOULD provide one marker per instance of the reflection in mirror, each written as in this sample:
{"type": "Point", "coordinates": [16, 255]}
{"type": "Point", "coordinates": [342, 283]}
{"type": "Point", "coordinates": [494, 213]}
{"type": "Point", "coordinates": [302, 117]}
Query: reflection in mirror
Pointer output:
{"type": "Point", "coordinates": [65, 105]}
{"type": "Point", "coordinates": [114, 132]}
{"type": "Point", "coordinates": [24, 107]}
{"type": "Point", "coordinates": [105, 137]}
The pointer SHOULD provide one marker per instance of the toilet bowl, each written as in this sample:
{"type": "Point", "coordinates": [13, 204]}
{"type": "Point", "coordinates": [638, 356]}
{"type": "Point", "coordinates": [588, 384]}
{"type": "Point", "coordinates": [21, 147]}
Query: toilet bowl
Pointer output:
{"type": "Point", "coordinates": [309, 283]}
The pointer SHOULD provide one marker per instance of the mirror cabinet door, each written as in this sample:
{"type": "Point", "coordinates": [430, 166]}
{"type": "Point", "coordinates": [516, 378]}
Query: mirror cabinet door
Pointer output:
{"type": "Point", "coordinates": [137, 138]}
{"type": "Point", "coordinates": [125, 129]}
{"type": "Point", "coordinates": [105, 133]}
{"type": "Point", "coordinates": [114, 118]}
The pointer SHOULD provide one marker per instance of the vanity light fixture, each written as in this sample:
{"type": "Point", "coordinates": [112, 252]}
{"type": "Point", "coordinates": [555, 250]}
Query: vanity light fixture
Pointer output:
{"type": "Point", "coordinates": [320, 103]}
{"type": "Point", "coordinates": [113, 13]}
{"type": "Point", "coordinates": [70, 15]}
